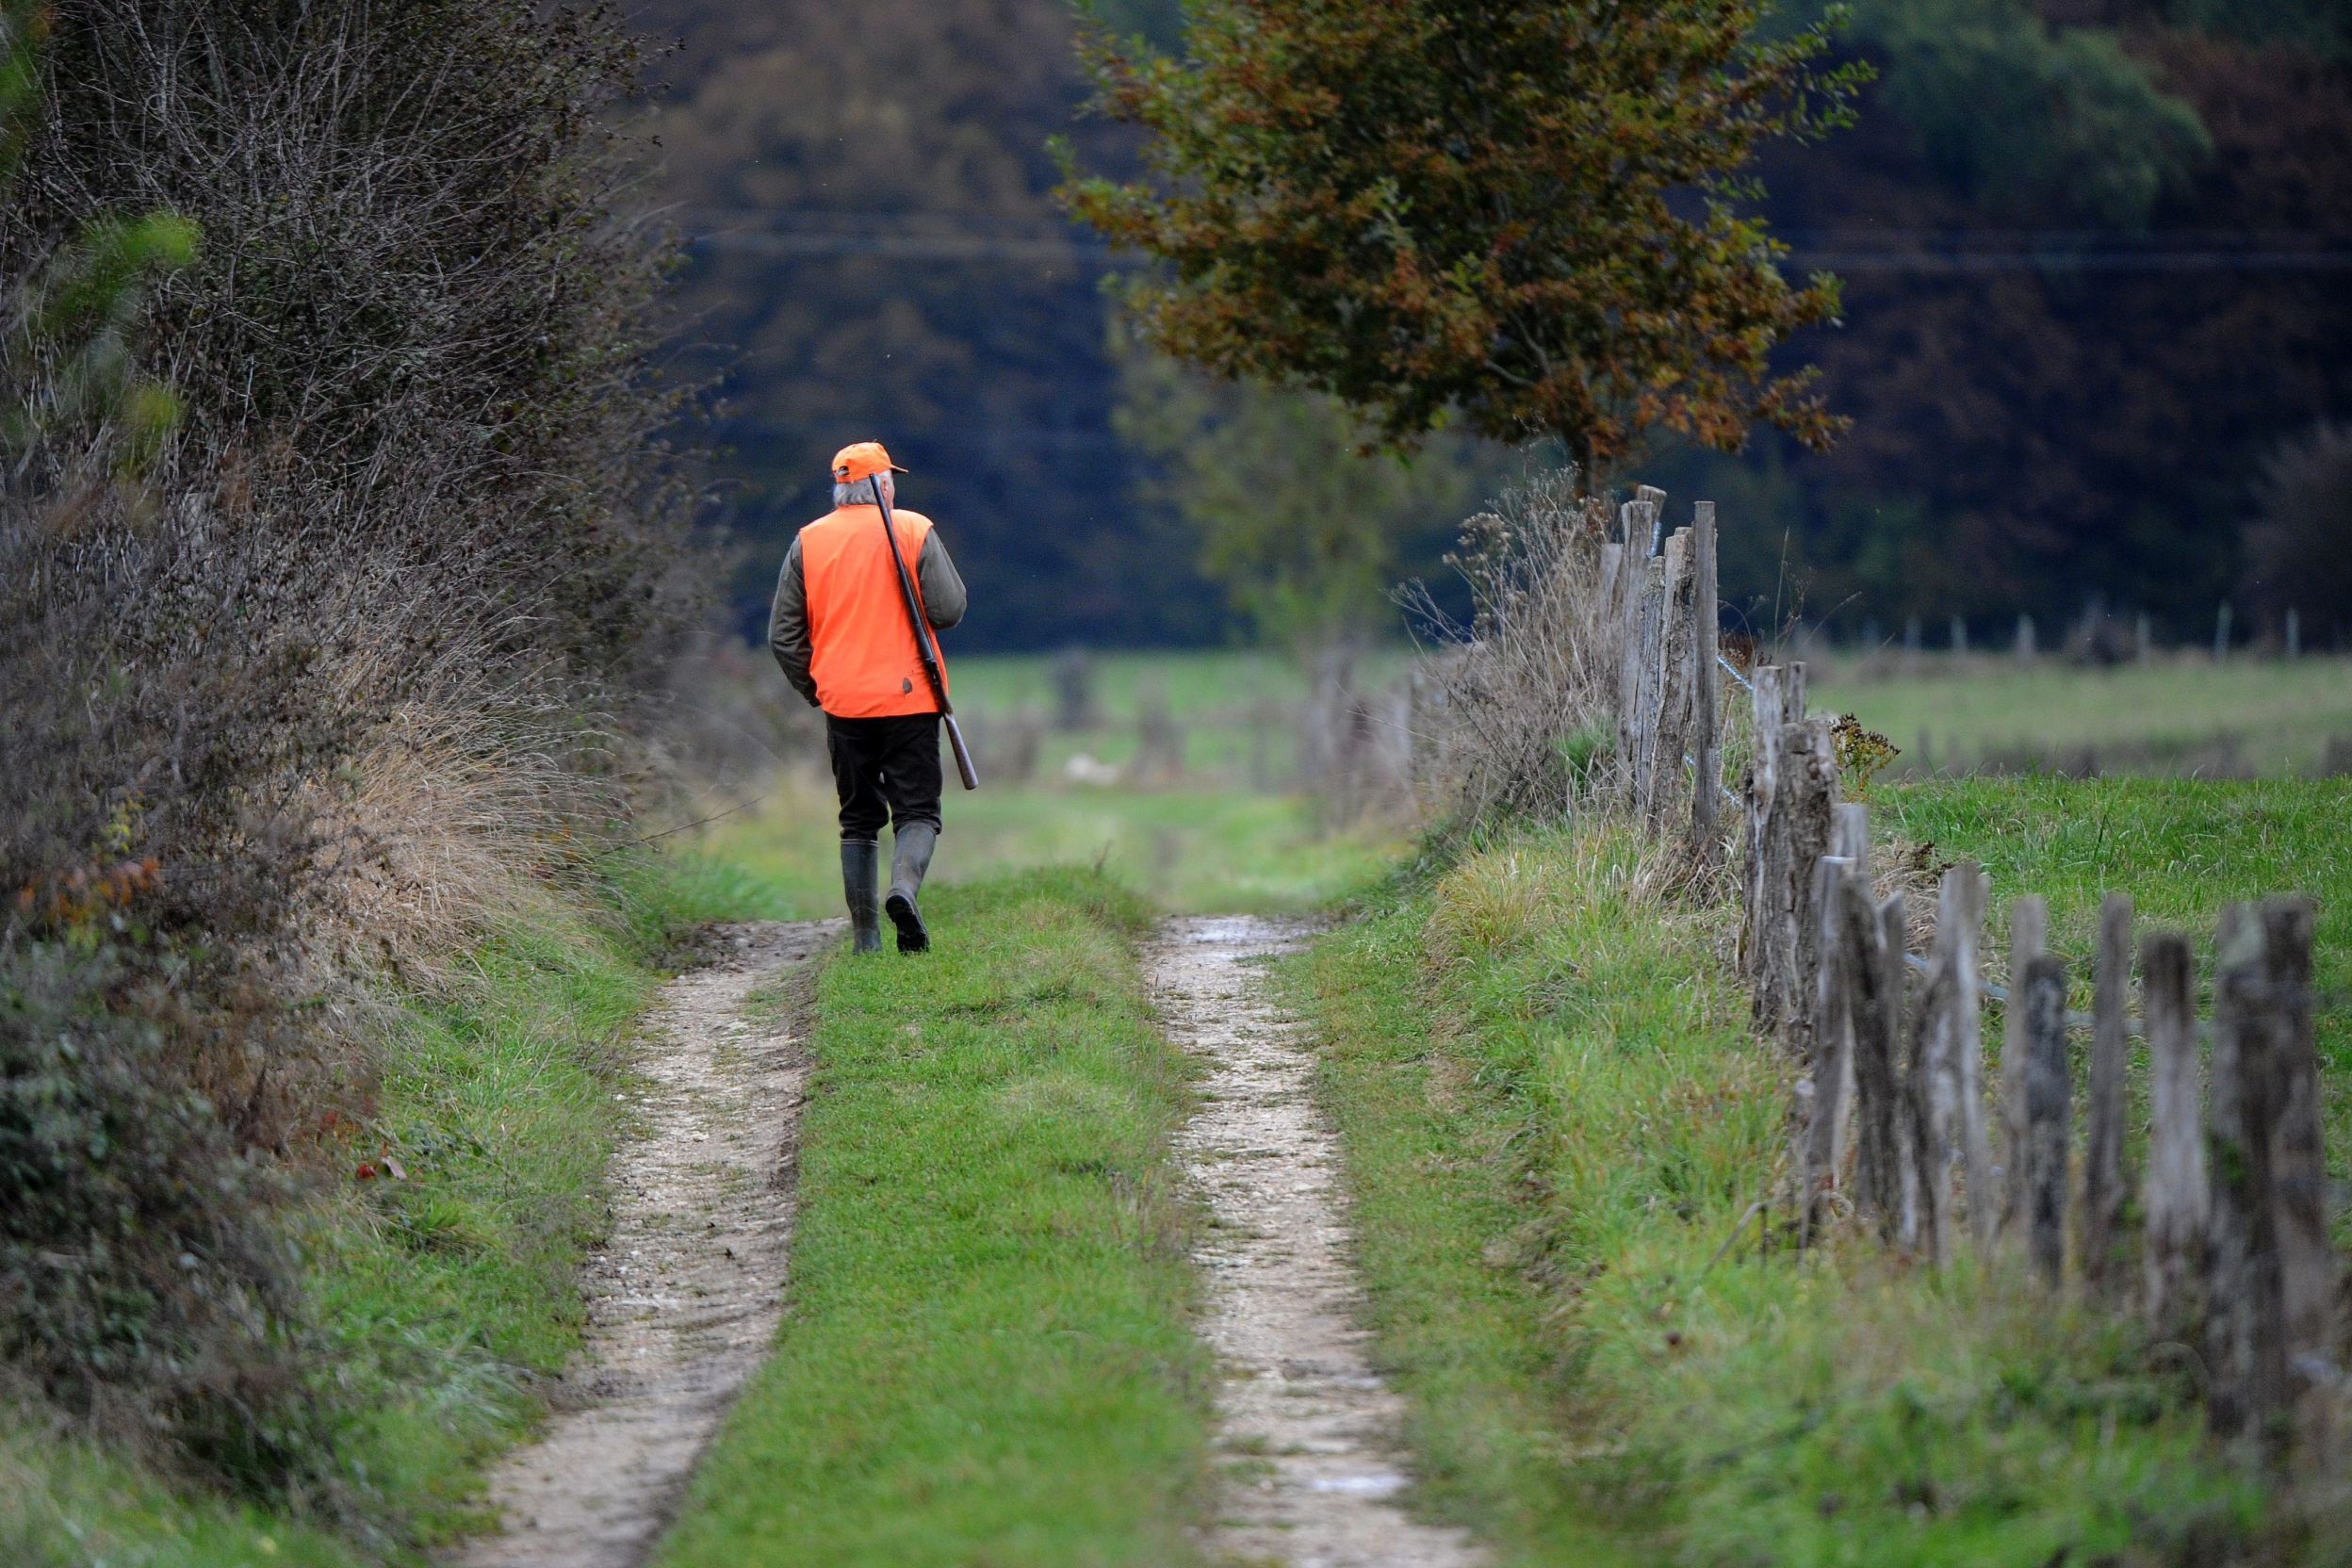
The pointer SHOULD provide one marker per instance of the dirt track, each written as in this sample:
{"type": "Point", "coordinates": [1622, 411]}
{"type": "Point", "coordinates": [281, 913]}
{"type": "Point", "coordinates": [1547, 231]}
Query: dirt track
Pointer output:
{"type": "Point", "coordinates": [1308, 1430]}
{"type": "Point", "coordinates": [684, 1298]}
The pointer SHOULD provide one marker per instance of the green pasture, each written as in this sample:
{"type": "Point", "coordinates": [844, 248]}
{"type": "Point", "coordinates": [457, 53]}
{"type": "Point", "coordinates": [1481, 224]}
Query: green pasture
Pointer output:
{"type": "Point", "coordinates": [2180, 714]}
{"type": "Point", "coordinates": [1235, 711]}
{"type": "Point", "coordinates": [1232, 832]}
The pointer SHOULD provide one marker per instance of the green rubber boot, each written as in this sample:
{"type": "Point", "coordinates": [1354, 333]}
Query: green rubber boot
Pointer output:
{"type": "Point", "coordinates": [911, 858]}
{"type": "Point", "coordinates": [860, 859]}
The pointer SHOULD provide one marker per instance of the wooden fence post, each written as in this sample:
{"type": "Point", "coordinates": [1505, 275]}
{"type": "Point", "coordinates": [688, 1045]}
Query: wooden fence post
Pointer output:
{"type": "Point", "coordinates": [1654, 499]}
{"type": "Point", "coordinates": [1707, 695]}
{"type": "Point", "coordinates": [2298, 1166]}
{"type": "Point", "coordinates": [1647, 653]}
{"type": "Point", "coordinates": [2102, 1154]}
{"type": "Point", "coordinates": [1763, 786]}
{"type": "Point", "coordinates": [2049, 1111]}
{"type": "Point", "coordinates": [1876, 1009]}
{"type": "Point", "coordinates": [2246, 1343]}
{"type": "Point", "coordinates": [1808, 793]}
{"type": "Point", "coordinates": [1632, 573]}
{"type": "Point", "coordinates": [1959, 939]}
{"type": "Point", "coordinates": [2174, 1195]}
{"type": "Point", "coordinates": [1833, 1051]}
{"type": "Point", "coordinates": [1669, 720]}
{"type": "Point", "coordinates": [2029, 934]}
{"type": "Point", "coordinates": [1946, 1081]}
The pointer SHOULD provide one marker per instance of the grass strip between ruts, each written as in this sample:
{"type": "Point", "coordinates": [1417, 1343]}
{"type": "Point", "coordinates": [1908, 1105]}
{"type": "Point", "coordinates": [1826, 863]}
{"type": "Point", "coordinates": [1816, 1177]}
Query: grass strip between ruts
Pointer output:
{"type": "Point", "coordinates": [986, 1356]}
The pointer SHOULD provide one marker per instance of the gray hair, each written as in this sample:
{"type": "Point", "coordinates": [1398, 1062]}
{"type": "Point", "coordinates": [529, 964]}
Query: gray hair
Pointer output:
{"type": "Point", "coordinates": [859, 494]}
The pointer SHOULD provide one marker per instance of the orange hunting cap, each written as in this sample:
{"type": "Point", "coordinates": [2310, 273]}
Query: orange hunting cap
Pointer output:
{"type": "Point", "coordinates": [861, 460]}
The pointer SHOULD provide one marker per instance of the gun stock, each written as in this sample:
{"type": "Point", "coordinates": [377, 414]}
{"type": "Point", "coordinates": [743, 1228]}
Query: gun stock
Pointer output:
{"type": "Point", "coordinates": [964, 769]}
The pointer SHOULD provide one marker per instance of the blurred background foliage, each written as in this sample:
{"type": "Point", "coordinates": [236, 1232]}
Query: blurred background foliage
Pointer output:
{"type": "Point", "coordinates": [2094, 255]}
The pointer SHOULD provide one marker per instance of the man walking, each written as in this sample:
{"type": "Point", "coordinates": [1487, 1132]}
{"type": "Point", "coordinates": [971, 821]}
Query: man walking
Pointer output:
{"type": "Point", "coordinates": [841, 632]}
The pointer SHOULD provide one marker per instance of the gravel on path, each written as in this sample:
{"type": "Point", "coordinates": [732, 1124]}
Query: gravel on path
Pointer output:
{"type": "Point", "coordinates": [684, 1298]}
{"type": "Point", "coordinates": [1307, 1430]}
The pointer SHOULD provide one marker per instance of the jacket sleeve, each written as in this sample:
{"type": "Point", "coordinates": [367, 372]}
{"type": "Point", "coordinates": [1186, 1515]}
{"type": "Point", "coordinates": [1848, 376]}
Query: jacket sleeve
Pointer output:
{"type": "Point", "coordinates": [944, 600]}
{"type": "Point", "coordinates": [788, 626]}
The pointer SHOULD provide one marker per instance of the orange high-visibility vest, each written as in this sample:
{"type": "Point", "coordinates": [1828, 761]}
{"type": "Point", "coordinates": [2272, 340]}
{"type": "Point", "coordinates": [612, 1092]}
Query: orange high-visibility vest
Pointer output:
{"type": "Point", "coordinates": [861, 650]}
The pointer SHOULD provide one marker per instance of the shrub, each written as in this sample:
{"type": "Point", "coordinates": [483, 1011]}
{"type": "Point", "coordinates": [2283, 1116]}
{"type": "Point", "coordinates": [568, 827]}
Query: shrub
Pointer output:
{"type": "Point", "coordinates": [338, 561]}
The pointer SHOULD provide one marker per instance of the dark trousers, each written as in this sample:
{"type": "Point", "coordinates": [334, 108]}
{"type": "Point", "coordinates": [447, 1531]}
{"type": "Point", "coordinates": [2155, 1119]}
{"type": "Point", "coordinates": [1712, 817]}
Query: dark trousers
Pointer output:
{"type": "Point", "coordinates": [885, 771]}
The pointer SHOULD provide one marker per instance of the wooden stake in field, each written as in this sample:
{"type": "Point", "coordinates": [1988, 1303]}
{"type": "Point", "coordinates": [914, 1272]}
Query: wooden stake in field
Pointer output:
{"type": "Point", "coordinates": [1875, 1007]}
{"type": "Point", "coordinates": [2049, 1113]}
{"type": "Point", "coordinates": [1707, 694]}
{"type": "Point", "coordinates": [2103, 1261]}
{"type": "Point", "coordinates": [1763, 784]}
{"type": "Point", "coordinates": [2245, 1351]}
{"type": "Point", "coordinates": [1959, 936]}
{"type": "Point", "coordinates": [1946, 1085]}
{"type": "Point", "coordinates": [1833, 1049]}
{"type": "Point", "coordinates": [1808, 797]}
{"type": "Point", "coordinates": [2298, 1166]}
{"type": "Point", "coordinates": [2174, 1195]}
{"type": "Point", "coordinates": [2029, 935]}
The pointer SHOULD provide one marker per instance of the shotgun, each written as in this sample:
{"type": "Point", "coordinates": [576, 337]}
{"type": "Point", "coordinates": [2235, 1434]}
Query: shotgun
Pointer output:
{"type": "Point", "coordinates": [924, 646]}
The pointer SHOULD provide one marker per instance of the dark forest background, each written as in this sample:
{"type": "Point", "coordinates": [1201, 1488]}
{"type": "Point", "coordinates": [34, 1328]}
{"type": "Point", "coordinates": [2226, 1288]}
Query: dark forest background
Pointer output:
{"type": "Point", "coordinates": [2099, 307]}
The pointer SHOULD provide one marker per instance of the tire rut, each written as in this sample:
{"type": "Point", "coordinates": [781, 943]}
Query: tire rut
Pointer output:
{"type": "Point", "coordinates": [684, 1298]}
{"type": "Point", "coordinates": [1308, 1430]}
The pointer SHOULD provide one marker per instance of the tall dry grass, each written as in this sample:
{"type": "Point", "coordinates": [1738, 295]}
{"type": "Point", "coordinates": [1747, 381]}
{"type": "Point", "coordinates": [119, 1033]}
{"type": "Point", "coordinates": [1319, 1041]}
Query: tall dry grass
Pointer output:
{"type": "Point", "coordinates": [339, 558]}
{"type": "Point", "coordinates": [1520, 701]}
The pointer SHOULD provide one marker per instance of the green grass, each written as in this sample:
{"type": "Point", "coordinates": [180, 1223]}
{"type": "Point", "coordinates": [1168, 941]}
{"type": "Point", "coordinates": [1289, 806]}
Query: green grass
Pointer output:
{"type": "Point", "coordinates": [985, 1357]}
{"type": "Point", "coordinates": [2178, 715]}
{"type": "Point", "coordinates": [442, 1297]}
{"type": "Point", "coordinates": [1554, 1118]}
{"type": "Point", "coordinates": [65, 1503]}
{"type": "Point", "coordinates": [1190, 849]}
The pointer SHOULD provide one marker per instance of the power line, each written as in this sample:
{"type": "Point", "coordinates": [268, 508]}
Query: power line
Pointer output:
{"type": "Point", "coordinates": [939, 237]}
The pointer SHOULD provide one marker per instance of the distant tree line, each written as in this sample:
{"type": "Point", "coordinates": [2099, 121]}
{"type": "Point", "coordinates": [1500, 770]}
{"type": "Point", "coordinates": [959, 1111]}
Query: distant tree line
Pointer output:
{"type": "Point", "coordinates": [2025, 433]}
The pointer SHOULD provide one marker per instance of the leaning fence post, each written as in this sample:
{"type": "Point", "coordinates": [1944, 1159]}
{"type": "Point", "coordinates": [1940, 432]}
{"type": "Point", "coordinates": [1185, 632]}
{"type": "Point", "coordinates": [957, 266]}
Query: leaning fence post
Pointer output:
{"type": "Point", "coordinates": [1707, 694]}
{"type": "Point", "coordinates": [2049, 1111]}
{"type": "Point", "coordinates": [2029, 934]}
{"type": "Point", "coordinates": [2103, 1151]}
{"type": "Point", "coordinates": [2174, 1193]}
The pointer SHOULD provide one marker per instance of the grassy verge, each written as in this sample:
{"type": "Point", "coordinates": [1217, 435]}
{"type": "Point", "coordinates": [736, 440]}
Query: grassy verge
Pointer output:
{"type": "Point", "coordinates": [985, 1357]}
{"type": "Point", "coordinates": [443, 1294]}
{"type": "Point", "coordinates": [1554, 1120]}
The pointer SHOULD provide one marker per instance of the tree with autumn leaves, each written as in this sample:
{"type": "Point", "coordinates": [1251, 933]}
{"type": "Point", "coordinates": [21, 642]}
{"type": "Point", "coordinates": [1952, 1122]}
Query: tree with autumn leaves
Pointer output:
{"type": "Point", "coordinates": [1529, 219]}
